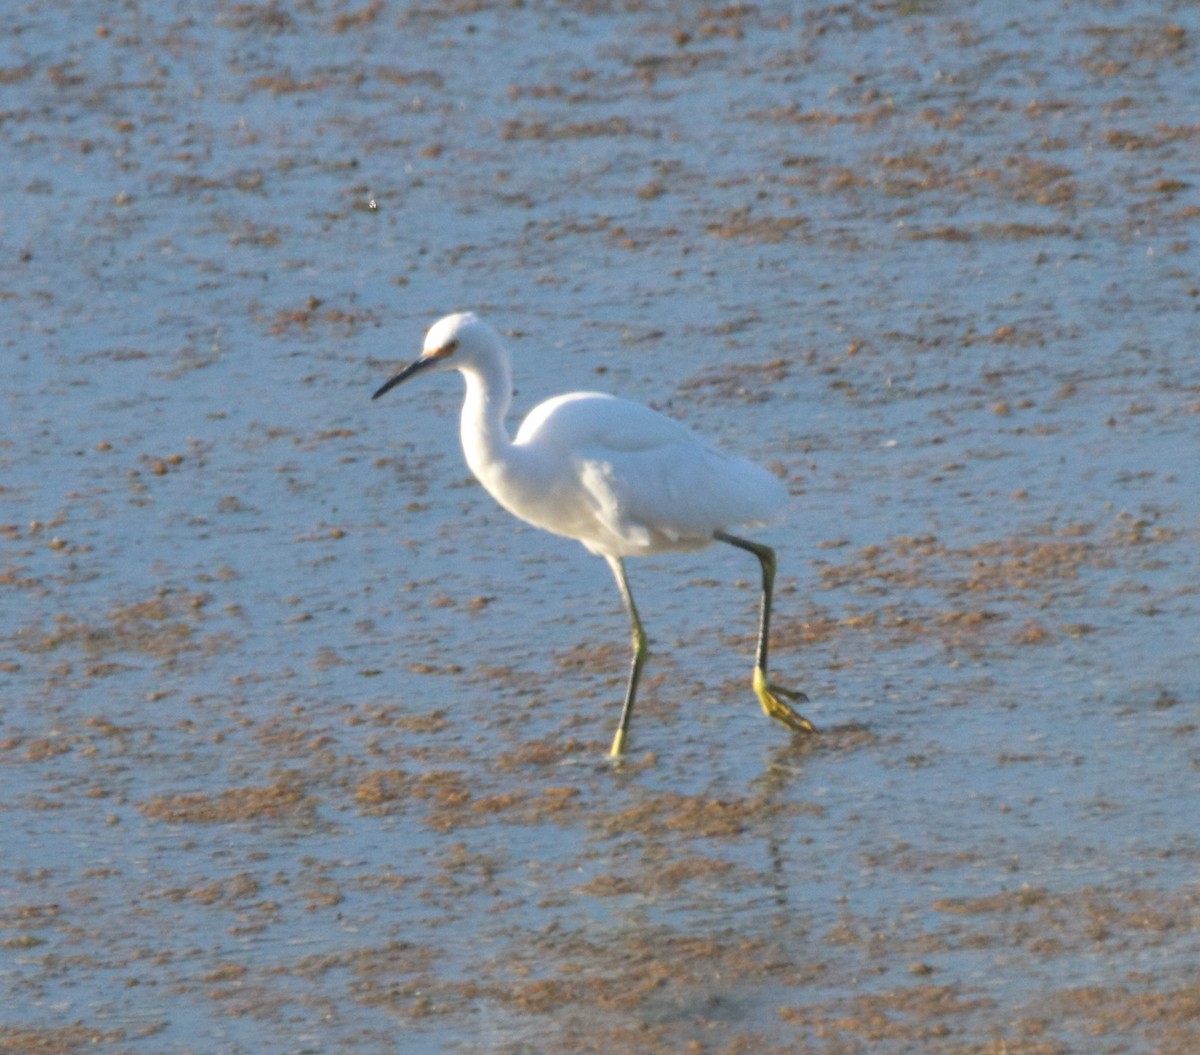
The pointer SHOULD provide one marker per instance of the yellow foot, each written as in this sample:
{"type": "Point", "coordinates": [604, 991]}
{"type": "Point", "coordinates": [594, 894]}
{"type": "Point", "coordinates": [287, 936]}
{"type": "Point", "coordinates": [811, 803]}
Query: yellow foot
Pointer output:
{"type": "Point", "coordinates": [618, 745]}
{"type": "Point", "coordinates": [773, 707]}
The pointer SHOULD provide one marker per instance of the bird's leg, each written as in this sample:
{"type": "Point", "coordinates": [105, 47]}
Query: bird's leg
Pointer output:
{"type": "Point", "coordinates": [639, 655]}
{"type": "Point", "coordinates": [768, 692]}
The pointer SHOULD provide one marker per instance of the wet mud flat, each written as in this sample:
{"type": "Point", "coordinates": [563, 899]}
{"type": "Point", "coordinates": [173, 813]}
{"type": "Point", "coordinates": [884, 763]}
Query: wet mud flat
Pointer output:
{"type": "Point", "coordinates": [302, 740]}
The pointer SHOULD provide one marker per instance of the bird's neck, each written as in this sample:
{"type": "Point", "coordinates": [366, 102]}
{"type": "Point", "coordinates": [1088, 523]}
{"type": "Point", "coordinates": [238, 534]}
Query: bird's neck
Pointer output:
{"type": "Point", "coordinates": [485, 438]}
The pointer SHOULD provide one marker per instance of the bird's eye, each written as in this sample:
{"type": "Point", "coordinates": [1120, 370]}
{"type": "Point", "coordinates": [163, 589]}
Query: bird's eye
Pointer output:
{"type": "Point", "coordinates": [450, 347]}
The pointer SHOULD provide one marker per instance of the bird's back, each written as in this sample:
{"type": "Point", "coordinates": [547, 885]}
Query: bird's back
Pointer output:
{"type": "Point", "coordinates": [579, 419]}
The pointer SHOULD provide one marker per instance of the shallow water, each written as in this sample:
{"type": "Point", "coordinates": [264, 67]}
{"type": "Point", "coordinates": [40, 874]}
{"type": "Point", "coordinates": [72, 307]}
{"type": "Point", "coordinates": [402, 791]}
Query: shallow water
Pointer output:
{"type": "Point", "coordinates": [302, 740]}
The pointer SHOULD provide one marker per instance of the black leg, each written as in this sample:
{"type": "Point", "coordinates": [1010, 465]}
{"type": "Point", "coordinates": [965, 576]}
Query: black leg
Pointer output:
{"type": "Point", "coordinates": [767, 692]}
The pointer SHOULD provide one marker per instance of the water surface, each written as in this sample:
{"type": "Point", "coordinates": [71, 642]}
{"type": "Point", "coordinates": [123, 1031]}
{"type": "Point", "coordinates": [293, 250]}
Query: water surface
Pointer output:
{"type": "Point", "coordinates": [302, 740]}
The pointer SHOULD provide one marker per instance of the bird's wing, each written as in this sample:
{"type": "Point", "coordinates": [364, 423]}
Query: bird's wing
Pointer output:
{"type": "Point", "coordinates": [677, 492]}
{"type": "Point", "coordinates": [649, 481]}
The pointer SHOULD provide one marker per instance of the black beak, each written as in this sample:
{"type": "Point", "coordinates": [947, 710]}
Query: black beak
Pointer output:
{"type": "Point", "coordinates": [423, 363]}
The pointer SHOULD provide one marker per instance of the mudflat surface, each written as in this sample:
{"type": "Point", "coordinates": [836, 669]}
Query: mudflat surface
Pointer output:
{"type": "Point", "coordinates": [302, 740]}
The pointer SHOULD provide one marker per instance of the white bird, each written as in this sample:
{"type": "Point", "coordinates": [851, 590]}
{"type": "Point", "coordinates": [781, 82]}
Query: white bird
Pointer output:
{"type": "Point", "coordinates": [621, 478]}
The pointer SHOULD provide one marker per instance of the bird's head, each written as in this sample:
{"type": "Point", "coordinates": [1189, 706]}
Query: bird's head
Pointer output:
{"type": "Point", "coordinates": [454, 342]}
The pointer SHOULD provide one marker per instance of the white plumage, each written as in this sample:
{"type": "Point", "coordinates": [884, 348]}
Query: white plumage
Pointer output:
{"type": "Point", "coordinates": [626, 481]}
{"type": "Point", "coordinates": [621, 478]}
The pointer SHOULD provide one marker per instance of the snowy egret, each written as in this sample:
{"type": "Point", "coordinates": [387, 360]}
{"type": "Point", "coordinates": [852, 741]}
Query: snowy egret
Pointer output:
{"type": "Point", "coordinates": [621, 478]}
